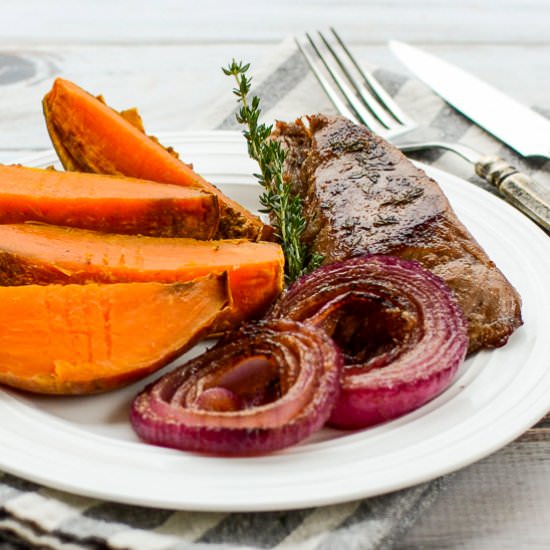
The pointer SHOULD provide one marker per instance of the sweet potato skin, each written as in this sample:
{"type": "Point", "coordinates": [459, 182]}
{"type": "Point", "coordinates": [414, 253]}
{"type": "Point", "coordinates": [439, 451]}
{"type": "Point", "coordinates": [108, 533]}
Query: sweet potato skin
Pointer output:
{"type": "Point", "coordinates": [44, 254]}
{"type": "Point", "coordinates": [79, 339]}
{"type": "Point", "coordinates": [89, 136]}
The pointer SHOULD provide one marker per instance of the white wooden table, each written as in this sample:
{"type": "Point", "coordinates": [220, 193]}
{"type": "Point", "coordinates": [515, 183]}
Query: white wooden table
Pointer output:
{"type": "Point", "coordinates": [168, 53]}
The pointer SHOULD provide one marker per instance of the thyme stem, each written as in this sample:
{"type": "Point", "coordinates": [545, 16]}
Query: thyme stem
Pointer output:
{"type": "Point", "coordinates": [277, 199]}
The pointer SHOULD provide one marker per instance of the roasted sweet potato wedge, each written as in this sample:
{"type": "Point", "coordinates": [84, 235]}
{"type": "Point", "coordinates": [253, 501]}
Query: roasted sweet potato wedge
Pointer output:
{"type": "Point", "coordinates": [106, 203]}
{"type": "Point", "coordinates": [41, 254]}
{"type": "Point", "coordinates": [77, 339]}
{"type": "Point", "coordinates": [89, 136]}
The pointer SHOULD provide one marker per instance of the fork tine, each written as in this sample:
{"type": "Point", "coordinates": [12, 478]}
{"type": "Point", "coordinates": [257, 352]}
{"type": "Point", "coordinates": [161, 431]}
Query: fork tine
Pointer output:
{"type": "Point", "coordinates": [361, 112]}
{"type": "Point", "coordinates": [369, 99]}
{"type": "Point", "coordinates": [383, 97]}
{"type": "Point", "coordinates": [340, 106]}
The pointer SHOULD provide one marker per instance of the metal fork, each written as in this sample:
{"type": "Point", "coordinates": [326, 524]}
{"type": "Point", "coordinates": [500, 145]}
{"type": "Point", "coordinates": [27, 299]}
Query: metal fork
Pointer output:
{"type": "Point", "coordinates": [357, 95]}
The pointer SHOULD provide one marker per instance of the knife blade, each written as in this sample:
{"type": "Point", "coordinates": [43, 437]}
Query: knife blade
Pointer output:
{"type": "Point", "coordinates": [508, 120]}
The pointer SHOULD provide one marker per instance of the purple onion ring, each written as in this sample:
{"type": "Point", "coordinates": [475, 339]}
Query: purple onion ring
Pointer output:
{"type": "Point", "coordinates": [265, 387]}
{"type": "Point", "coordinates": [400, 328]}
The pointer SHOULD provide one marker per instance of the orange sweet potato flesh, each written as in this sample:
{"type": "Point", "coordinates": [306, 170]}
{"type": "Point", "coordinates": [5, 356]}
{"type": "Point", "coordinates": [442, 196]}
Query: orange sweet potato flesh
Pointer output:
{"type": "Point", "coordinates": [77, 339]}
{"type": "Point", "coordinates": [89, 136]}
{"type": "Point", "coordinates": [42, 254]}
{"type": "Point", "coordinates": [106, 203]}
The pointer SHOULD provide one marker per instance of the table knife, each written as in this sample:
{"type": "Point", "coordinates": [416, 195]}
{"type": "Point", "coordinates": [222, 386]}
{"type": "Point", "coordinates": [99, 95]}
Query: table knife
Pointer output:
{"type": "Point", "coordinates": [508, 120]}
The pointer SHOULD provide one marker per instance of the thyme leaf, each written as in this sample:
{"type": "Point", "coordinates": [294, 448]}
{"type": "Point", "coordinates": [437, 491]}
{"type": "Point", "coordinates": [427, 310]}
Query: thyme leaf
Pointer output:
{"type": "Point", "coordinates": [277, 198]}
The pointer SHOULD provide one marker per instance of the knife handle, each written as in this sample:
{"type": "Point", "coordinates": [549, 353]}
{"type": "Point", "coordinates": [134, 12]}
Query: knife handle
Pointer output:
{"type": "Point", "coordinates": [518, 188]}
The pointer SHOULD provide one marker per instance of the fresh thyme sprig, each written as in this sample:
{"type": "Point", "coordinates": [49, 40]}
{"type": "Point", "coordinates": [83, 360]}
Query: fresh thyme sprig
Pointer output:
{"type": "Point", "coordinates": [284, 207]}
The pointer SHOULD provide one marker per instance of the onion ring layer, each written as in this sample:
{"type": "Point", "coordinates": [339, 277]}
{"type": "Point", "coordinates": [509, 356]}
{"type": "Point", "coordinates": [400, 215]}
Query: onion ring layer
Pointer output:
{"type": "Point", "coordinates": [265, 387]}
{"type": "Point", "coordinates": [400, 328]}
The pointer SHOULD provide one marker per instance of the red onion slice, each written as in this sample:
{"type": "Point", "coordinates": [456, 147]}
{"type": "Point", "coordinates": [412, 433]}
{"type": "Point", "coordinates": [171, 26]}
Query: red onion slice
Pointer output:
{"type": "Point", "coordinates": [400, 328]}
{"type": "Point", "coordinates": [265, 387]}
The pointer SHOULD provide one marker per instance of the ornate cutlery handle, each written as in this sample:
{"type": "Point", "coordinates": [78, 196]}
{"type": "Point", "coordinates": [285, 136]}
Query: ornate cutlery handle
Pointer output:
{"type": "Point", "coordinates": [518, 188]}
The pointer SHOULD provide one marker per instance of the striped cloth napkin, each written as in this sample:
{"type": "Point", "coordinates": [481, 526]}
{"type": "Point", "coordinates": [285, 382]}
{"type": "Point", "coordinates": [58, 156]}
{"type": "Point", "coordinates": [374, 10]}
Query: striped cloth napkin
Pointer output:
{"type": "Point", "coordinates": [32, 515]}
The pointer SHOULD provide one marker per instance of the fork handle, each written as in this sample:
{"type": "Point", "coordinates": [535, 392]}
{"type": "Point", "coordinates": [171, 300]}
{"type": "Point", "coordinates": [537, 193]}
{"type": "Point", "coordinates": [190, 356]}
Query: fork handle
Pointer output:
{"type": "Point", "coordinates": [519, 189]}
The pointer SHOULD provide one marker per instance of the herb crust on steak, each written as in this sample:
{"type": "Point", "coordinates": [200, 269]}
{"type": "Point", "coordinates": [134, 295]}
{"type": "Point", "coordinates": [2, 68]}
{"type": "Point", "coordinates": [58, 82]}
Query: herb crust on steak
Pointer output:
{"type": "Point", "coordinates": [362, 195]}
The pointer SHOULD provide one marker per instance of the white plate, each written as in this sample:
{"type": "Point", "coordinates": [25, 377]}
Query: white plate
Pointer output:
{"type": "Point", "coordinates": [85, 444]}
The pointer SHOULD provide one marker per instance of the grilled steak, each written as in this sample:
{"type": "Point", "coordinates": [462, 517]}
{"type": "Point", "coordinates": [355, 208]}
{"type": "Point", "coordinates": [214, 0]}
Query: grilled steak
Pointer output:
{"type": "Point", "coordinates": [362, 195]}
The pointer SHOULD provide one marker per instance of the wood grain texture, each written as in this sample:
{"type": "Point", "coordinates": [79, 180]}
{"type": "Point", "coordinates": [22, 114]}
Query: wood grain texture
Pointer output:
{"type": "Point", "coordinates": [173, 84]}
{"type": "Point", "coordinates": [539, 432]}
{"type": "Point", "coordinates": [500, 502]}
{"type": "Point", "coordinates": [166, 57]}
{"type": "Point", "coordinates": [167, 83]}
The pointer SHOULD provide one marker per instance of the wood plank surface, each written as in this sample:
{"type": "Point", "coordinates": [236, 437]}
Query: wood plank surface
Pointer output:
{"type": "Point", "coordinates": [499, 503]}
{"type": "Point", "coordinates": [170, 84]}
{"type": "Point", "coordinates": [166, 57]}
{"type": "Point", "coordinates": [173, 84]}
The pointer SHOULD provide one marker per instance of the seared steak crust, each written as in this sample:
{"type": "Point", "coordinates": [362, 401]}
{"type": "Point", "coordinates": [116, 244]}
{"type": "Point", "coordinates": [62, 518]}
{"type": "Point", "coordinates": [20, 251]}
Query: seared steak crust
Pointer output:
{"type": "Point", "coordinates": [362, 195]}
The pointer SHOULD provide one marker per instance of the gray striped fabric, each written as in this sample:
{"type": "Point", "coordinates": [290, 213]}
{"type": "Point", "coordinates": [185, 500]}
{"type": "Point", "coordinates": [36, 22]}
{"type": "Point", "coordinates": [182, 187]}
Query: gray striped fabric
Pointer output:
{"type": "Point", "coordinates": [39, 516]}
{"type": "Point", "coordinates": [44, 517]}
